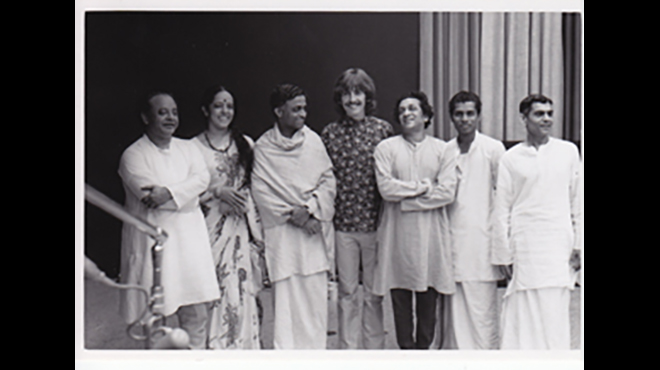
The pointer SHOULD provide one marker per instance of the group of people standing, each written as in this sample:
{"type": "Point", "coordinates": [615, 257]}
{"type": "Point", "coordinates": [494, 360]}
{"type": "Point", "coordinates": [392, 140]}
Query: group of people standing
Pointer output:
{"type": "Point", "coordinates": [427, 221]}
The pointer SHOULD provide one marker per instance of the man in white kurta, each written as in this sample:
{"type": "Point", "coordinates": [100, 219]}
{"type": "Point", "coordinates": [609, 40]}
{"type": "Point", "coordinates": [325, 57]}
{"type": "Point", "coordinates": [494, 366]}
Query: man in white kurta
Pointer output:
{"type": "Point", "coordinates": [292, 176]}
{"type": "Point", "coordinates": [417, 178]}
{"type": "Point", "coordinates": [188, 275]}
{"type": "Point", "coordinates": [473, 314]}
{"type": "Point", "coordinates": [537, 215]}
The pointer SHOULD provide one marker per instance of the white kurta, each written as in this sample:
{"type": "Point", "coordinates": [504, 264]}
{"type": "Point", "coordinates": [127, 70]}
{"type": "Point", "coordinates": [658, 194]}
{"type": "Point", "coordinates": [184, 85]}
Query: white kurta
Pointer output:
{"type": "Point", "coordinates": [473, 318]}
{"type": "Point", "coordinates": [536, 222]}
{"type": "Point", "coordinates": [188, 274]}
{"type": "Point", "coordinates": [469, 215]}
{"type": "Point", "coordinates": [414, 249]}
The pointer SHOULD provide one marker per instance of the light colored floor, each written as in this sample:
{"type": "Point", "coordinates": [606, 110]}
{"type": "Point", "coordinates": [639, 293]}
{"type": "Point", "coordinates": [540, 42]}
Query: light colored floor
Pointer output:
{"type": "Point", "coordinates": [104, 329]}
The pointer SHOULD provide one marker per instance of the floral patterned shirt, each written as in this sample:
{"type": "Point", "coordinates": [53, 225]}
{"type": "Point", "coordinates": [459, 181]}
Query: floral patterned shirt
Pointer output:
{"type": "Point", "coordinates": [351, 146]}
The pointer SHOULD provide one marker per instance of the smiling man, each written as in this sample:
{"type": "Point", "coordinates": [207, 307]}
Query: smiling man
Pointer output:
{"type": "Point", "coordinates": [294, 189]}
{"type": "Point", "coordinates": [163, 177]}
{"type": "Point", "coordinates": [536, 232]}
{"type": "Point", "coordinates": [474, 313]}
{"type": "Point", "coordinates": [350, 143]}
{"type": "Point", "coordinates": [416, 176]}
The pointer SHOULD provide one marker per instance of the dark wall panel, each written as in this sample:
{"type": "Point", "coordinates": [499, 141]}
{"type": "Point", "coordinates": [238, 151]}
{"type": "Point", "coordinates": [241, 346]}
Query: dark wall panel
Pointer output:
{"type": "Point", "coordinates": [128, 54]}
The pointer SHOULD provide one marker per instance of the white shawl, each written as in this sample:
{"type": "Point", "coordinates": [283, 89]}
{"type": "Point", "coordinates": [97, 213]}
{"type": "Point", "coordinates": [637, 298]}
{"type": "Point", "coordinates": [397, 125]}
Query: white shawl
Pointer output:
{"type": "Point", "coordinates": [292, 172]}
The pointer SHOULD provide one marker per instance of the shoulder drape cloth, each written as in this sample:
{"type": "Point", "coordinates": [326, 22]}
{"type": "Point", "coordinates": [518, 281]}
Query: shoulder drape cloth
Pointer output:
{"type": "Point", "coordinates": [292, 172]}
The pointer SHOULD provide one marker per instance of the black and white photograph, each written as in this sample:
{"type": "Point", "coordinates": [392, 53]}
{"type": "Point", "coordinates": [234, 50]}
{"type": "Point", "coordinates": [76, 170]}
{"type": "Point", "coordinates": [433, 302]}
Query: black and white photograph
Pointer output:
{"type": "Point", "coordinates": [329, 184]}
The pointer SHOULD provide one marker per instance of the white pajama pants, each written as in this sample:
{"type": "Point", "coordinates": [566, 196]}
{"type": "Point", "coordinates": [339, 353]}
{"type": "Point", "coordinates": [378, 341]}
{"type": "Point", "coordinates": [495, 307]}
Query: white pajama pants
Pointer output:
{"type": "Point", "coordinates": [301, 312]}
{"type": "Point", "coordinates": [350, 248]}
{"type": "Point", "coordinates": [537, 319]}
{"type": "Point", "coordinates": [472, 320]}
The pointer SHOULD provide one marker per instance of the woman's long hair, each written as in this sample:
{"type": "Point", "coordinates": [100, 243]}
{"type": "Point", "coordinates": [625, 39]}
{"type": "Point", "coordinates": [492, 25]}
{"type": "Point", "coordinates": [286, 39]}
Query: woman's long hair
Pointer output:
{"type": "Point", "coordinates": [245, 153]}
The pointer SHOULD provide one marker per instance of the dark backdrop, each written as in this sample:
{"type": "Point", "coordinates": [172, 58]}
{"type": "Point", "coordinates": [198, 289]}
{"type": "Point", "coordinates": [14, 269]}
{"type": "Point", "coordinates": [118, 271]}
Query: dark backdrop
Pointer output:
{"type": "Point", "coordinates": [128, 54]}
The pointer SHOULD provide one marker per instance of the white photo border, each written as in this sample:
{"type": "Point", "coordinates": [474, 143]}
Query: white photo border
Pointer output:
{"type": "Point", "coordinates": [383, 360]}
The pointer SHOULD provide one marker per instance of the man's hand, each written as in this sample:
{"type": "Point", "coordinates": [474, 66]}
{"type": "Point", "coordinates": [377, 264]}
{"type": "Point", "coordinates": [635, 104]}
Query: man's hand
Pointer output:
{"type": "Point", "coordinates": [575, 261]}
{"type": "Point", "coordinates": [299, 216]}
{"type": "Point", "coordinates": [426, 187]}
{"type": "Point", "coordinates": [158, 195]}
{"type": "Point", "coordinates": [507, 271]}
{"type": "Point", "coordinates": [312, 226]}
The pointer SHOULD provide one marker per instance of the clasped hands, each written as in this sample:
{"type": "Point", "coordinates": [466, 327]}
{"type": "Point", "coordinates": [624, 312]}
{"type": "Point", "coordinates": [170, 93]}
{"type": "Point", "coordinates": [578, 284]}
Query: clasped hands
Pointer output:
{"type": "Point", "coordinates": [427, 185]}
{"type": "Point", "coordinates": [157, 196]}
{"type": "Point", "coordinates": [300, 217]}
{"type": "Point", "coordinates": [232, 202]}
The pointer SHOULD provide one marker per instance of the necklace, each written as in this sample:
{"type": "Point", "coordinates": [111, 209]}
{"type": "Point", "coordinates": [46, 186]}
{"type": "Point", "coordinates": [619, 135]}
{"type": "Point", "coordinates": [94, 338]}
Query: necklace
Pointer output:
{"type": "Point", "coordinates": [214, 148]}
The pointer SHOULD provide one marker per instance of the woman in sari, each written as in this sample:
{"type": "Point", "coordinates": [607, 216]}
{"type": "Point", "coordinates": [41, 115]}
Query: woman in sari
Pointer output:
{"type": "Point", "coordinates": [233, 225]}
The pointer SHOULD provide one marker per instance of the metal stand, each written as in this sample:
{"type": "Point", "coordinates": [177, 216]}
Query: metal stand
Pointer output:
{"type": "Point", "coordinates": [152, 321]}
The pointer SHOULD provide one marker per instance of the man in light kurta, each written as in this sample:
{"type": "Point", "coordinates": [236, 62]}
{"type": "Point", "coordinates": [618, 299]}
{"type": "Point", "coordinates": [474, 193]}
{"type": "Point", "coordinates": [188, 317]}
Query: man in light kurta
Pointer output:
{"type": "Point", "coordinates": [417, 178]}
{"type": "Point", "coordinates": [294, 189]}
{"type": "Point", "coordinates": [163, 177]}
{"type": "Point", "coordinates": [536, 230]}
{"type": "Point", "coordinates": [473, 315]}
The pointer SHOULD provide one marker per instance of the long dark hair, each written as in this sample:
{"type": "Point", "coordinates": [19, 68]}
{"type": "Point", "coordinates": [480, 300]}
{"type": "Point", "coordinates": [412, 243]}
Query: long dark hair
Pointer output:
{"type": "Point", "coordinates": [355, 79]}
{"type": "Point", "coordinates": [245, 154]}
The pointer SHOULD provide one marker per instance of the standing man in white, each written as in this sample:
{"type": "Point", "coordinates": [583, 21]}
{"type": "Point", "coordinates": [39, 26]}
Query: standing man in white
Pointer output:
{"type": "Point", "coordinates": [163, 177]}
{"type": "Point", "coordinates": [536, 232]}
{"type": "Point", "coordinates": [417, 178]}
{"type": "Point", "coordinates": [294, 189]}
{"type": "Point", "coordinates": [473, 308]}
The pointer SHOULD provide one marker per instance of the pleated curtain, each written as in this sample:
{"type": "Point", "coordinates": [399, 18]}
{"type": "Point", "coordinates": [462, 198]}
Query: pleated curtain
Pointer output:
{"type": "Point", "coordinates": [503, 57]}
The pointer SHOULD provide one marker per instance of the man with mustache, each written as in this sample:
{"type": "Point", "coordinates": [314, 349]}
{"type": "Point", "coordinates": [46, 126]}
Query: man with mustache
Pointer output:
{"type": "Point", "coordinates": [294, 189]}
{"type": "Point", "coordinates": [536, 232]}
{"type": "Point", "coordinates": [351, 142]}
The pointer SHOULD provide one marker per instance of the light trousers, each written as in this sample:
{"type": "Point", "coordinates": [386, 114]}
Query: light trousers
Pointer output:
{"type": "Point", "coordinates": [537, 319]}
{"type": "Point", "coordinates": [350, 249]}
{"type": "Point", "coordinates": [473, 321]}
{"type": "Point", "coordinates": [301, 312]}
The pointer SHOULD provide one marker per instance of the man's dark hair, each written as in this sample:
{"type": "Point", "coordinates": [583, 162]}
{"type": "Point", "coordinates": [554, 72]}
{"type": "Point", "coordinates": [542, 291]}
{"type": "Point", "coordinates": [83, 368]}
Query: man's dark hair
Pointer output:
{"type": "Point", "coordinates": [282, 93]}
{"type": "Point", "coordinates": [427, 109]}
{"type": "Point", "coordinates": [526, 104]}
{"type": "Point", "coordinates": [463, 97]}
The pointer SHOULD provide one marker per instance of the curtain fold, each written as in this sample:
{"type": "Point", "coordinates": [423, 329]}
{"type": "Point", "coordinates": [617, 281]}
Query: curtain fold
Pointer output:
{"type": "Point", "coordinates": [449, 62]}
{"type": "Point", "coordinates": [503, 57]}
{"type": "Point", "coordinates": [572, 28]}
